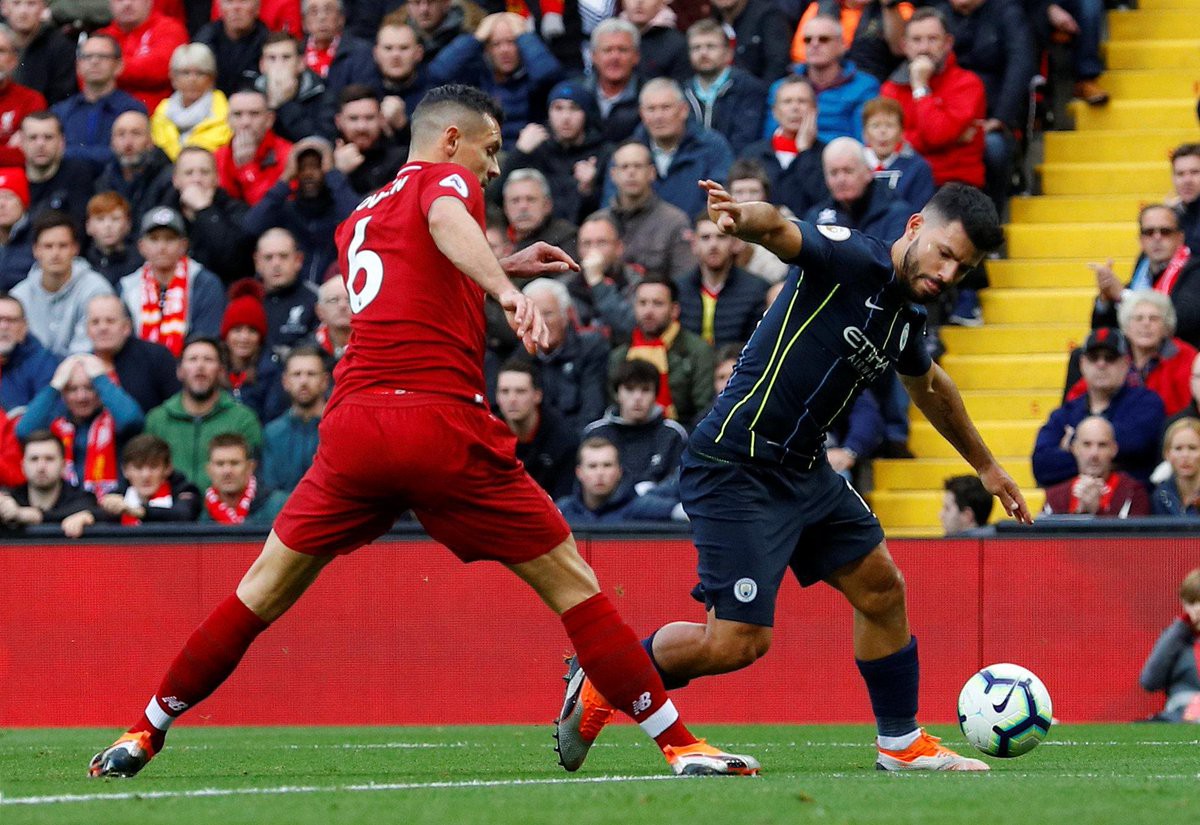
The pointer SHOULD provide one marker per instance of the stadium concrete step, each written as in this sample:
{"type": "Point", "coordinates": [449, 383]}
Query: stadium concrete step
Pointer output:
{"type": "Point", "coordinates": [1014, 404]}
{"type": "Point", "coordinates": [1092, 208]}
{"type": "Point", "coordinates": [1038, 306]}
{"type": "Point", "coordinates": [1136, 114]}
{"type": "Point", "coordinates": [1143, 84]}
{"type": "Point", "coordinates": [1151, 24]}
{"type": "Point", "coordinates": [1077, 241]}
{"type": "Point", "coordinates": [1153, 5]}
{"type": "Point", "coordinates": [1007, 372]}
{"type": "Point", "coordinates": [1130, 178]}
{"type": "Point", "coordinates": [919, 509]}
{"type": "Point", "coordinates": [1013, 339]}
{"type": "Point", "coordinates": [1003, 437]}
{"type": "Point", "coordinates": [1113, 146]}
{"type": "Point", "coordinates": [1153, 54]}
{"type": "Point", "coordinates": [898, 474]}
{"type": "Point", "coordinates": [1034, 273]}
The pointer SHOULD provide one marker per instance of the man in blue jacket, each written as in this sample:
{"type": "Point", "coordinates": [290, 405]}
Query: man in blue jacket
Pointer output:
{"type": "Point", "coordinates": [719, 301]}
{"type": "Point", "coordinates": [723, 97]}
{"type": "Point", "coordinates": [856, 199]}
{"type": "Point", "coordinates": [25, 365]}
{"type": "Point", "coordinates": [604, 496]}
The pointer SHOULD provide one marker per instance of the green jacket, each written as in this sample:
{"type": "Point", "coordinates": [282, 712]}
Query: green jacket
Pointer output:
{"type": "Point", "coordinates": [690, 366]}
{"type": "Point", "coordinates": [189, 436]}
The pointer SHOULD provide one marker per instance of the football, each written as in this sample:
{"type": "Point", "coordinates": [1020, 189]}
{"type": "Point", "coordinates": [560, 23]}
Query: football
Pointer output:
{"type": "Point", "coordinates": [1004, 710]}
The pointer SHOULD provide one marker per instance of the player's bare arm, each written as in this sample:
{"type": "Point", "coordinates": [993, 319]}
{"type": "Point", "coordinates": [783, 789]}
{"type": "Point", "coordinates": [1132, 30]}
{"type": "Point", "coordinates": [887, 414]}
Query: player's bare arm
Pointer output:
{"type": "Point", "coordinates": [938, 399]}
{"type": "Point", "coordinates": [460, 239]}
{"type": "Point", "coordinates": [756, 222]}
{"type": "Point", "coordinates": [538, 260]}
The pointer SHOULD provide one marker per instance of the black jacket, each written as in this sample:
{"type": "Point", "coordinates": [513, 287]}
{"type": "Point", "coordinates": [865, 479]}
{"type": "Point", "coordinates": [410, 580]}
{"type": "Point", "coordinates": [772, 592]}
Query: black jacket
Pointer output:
{"type": "Point", "coordinates": [300, 116]}
{"type": "Point", "coordinates": [184, 506]}
{"type": "Point", "coordinates": [216, 236]}
{"type": "Point", "coordinates": [550, 455]}
{"type": "Point", "coordinates": [237, 60]}
{"type": "Point", "coordinates": [996, 43]}
{"type": "Point", "coordinates": [69, 191]}
{"type": "Point", "coordinates": [291, 315]}
{"type": "Point", "coordinates": [1185, 297]}
{"type": "Point", "coordinates": [739, 307]}
{"type": "Point", "coordinates": [763, 40]}
{"type": "Point", "coordinates": [71, 500]}
{"type": "Point", "coordinates": [650, 451]}
{"type": "Point", "coordinates": [623, 118]}
{"type": "Point", "coordinates": [879, 213]}
{"type": "Point", "coordinates": [664, 54]}
{"type": "Point", "coordinates": [117, 264]}
{"type": "Point", "coordinates": [146, 371]}
{"type": "Point", "coordinates": [738, 111]}
{"type": "Point", "coordinates": [798, 187]}
{"type": "Point", "coordinates": [48, 65]}
{"type": "Point", "coordinates": [557, 163]}
{"type": "Point", "coordinates": [380, 164]}
{"type": "Point", "coordinates": [148, 188]}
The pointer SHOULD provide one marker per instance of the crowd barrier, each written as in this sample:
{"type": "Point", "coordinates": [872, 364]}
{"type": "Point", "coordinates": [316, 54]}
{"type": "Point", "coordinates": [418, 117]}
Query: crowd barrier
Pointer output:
{"type": "Point", "coordinates": [401, 633]}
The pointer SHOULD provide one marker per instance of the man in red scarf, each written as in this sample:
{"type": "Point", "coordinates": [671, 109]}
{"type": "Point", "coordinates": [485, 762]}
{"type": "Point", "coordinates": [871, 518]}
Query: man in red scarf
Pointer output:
{"type": "Point", "coordinates": [1098, 490]}
{"type": "Point", "coordinates": [235, 495]}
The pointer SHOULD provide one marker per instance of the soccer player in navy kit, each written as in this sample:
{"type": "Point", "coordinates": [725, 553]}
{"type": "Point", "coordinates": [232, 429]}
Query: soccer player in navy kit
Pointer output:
{"type": "Point", "coordinates": [755, 482]}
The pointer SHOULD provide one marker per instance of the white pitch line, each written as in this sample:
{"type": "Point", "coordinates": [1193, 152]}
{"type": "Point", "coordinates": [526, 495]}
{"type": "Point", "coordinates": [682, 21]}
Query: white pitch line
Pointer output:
{"type": "Point", "coordinates": [373, 787]}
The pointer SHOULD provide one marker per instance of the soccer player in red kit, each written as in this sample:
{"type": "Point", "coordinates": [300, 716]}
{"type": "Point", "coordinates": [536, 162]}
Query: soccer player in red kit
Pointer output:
{"type": "Point", "coordinates": [418, 267]}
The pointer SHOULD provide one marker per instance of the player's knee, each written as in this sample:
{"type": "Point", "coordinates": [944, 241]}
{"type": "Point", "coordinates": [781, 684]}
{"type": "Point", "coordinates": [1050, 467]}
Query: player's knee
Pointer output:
{"type": "Point", "coordinates": [737, 650]}
{"type": "Point", "coordinates": [883, 594]}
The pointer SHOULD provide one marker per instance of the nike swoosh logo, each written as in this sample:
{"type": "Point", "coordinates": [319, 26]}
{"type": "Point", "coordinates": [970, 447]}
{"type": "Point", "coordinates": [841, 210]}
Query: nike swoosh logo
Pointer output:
{"type": "Point", "coordinates": [873, 306]}
{"type": "Point", "coordinates": [1000, 707]}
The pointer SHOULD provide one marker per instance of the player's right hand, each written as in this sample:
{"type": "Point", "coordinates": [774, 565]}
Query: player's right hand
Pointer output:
{"type": "Point", "coordinates": [525, 320]}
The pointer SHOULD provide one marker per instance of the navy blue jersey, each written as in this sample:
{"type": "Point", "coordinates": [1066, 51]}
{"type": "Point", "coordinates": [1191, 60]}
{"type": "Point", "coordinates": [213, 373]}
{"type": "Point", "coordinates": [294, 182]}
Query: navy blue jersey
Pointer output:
{"type": "Point", "coordinates": [843, 317]}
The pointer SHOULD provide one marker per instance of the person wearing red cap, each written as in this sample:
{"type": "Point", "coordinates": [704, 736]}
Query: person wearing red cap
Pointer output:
{"type": "Point", "coordinates": [254, 375]}
{"type": "Point", "coordinates": [16, 244]}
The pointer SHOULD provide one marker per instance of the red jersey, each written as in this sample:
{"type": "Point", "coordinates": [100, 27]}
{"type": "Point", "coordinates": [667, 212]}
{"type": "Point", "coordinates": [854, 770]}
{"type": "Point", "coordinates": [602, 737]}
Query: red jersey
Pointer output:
{"type": "Point", "coordinates": [417, 322]}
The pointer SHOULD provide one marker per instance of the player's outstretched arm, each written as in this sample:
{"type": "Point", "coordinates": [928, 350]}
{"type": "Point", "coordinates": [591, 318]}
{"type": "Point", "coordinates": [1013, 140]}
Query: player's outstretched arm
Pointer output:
{"type": "Point", "coordinates": [938, 399]}
{"type": "Point", "coordinates": [757, 222]}
{"type": "Point", "coordinates": [538, 260]}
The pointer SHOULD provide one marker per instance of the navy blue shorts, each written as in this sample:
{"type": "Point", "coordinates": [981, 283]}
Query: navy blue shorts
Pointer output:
{"type": "Point", "coordinates": [752, 522]}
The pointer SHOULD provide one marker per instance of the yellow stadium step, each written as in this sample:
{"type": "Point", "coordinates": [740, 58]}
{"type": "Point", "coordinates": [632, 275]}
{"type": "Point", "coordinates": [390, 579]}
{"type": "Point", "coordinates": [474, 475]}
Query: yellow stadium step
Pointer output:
{"type": "Point", "coordinates": [1158, 24]}
{"type": "Point", "coordinates": [1112, 147]}
{"type": "Point", "coordinates": [1105, 178]}
{"type": "Point", "coordinates": [1151, 5]}
{"type": "Point", "coordinates": [893, 474]}
{"type": "Point", "coordinates": [1012, 338]}
{"type": "Point", "coordinates": [1136, 114]}
{"type": "Point", "coordinates": [919, 509]}
{"type": "Point", "coordinates": [1007, 372]}
{"type": "Point", "coordinates": [1007, 437]}
{"type": "Point", "coordinates": [1038, 306]}
{"type": "Point", "coordinates": [1156, 84]}
{"type": "Point", "coordinates": [1153, 54]}
{"type": "Point", "coordinates": [1014, 405]}
{"type": "Point", "coordinates": [1101, 209]}
{"type": "Point", "coordinates": [1077, 241]}
{"type": "Point", "coordinates": [1047, 273]}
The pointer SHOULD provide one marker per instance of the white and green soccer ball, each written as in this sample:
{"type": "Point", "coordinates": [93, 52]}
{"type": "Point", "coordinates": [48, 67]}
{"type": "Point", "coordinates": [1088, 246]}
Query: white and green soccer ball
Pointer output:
{"type": "Point", "coordinates": [1004, 710]}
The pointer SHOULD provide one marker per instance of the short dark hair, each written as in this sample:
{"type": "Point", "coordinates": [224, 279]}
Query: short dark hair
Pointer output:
{"type": "Point", "coordinates": [636, 372]}
{"type": "Point", "coordinates": [45, 115]}
{"type": "Point", "coordinates": [40, 436]}
{"type": "Point", "coordinates": [969, 494]}
{"type": "Point", "coordinates": [229, 440]}
{"type": "Point", "coordinates": [458, 95]}
{"type": "Point", "coordinates": [658, 278]}
{"type": "Point", "coordinates": [729, 351]}
{"type": "Point", "coordinates": [973, 209]}
{"type": "Point", "coordinates": [928, 13]}
{"type": "Point", "coordinates": [219, 346]}
{"type": "Point", "coordinates": [306, 351]}
{"type": "Point", "coordinates": [1185, 150]}
{"type": "Point", "coordinates": [283, 37]}
{"type": "Point", "coordinates": [602, 216]}
{"type": "Point", "coordinates": [116, 44]}
{"type": "Point", "coordinates": [53, 219]}
{"type": "Point", "coordinates": [354, 92]}
{"type": "Point", "coordinates": [146, 450]}
{"type": "Point", "coordinates": [595, 442]}
{"type": "Point", "coordinates": [750, 169]}
{"type": "Point", "coordinates": [523, 366]}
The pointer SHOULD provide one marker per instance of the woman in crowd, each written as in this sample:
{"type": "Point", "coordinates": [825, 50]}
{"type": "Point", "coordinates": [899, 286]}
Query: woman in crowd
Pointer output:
{"type": "Point", "coordinates": [1178, 494]}
{"type": "Point", "coordinates": [255, 379]}
{"type": "Point", "coordinates": [195, 113]}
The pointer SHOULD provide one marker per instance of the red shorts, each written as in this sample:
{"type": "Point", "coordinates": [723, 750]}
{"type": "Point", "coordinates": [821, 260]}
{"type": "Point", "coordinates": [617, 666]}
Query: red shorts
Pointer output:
{"type": "Point", "coordinates": [452, 463]}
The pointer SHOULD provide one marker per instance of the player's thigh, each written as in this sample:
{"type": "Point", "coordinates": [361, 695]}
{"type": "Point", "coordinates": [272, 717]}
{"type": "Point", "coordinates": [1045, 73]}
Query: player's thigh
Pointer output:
{"type": "Point", "coordinates": [278, 577]}
{"type": "Point", "coordinates": [873, 584]}
{"type": "Point", "coordinates": [561, 577]}
{"type": "Point", "coordinates": [840, 530]}
{"type": "Point", "coordinates": [745, 526]}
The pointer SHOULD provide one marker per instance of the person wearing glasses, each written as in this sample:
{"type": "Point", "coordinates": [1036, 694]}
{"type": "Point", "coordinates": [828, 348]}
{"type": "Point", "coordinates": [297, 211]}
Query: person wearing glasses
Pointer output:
{"type": "Point", "coordinates": [88, 116]}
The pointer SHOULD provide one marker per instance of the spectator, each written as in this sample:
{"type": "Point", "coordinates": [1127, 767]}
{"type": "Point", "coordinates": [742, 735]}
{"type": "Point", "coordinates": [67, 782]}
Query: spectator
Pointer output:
{"type": "Point", "coordinates": [656, 235]}
{"type": "Point", "coordinates": [1135, 413]}
{"type": "Point", "coordinates": [148, 40]}
{"type": "Point", "coordinates": [235, 495]}
{"type": "Point", "coordinates": [25, 365]}
{"type": "Point", "coordinates": [650, 444]}
{"type": "Point", "coordinates": [195, 114]}
{"type": "Point", "coordinates": [757, 27]}
{"type": "Point", "coordinates": [1192, 410]}
{"type": "Point", "coordinates": [748, 181]}
{"type": "Point", "coordinates": [616, 51]}
{"type": "Point", "coordinates": [966, 505]}
{"type": "Point", "coordinates": [943, 103]}
{"type": "Point", "coordinates": [295, 93]}
{"type": "Point", "coordinates": [723, 97]}
{"type": "Point", "coordinates": [873, 32]}
{"type": "Point", "coordinates": [332, 334]}
{"type": "Point", "coordinates": [290, 441]}
{"type": "Point", "coordinates": [16, 249]}
{"type": "Point", "coordinates": [437, 22]}
{"type": "Point", "coordinates": [1179, 494]}
{"type": "Point", "coordinates": [726, 357]}
{"type": "Point", "coordinates": [664, 49]}
{"type": "Point", "coordinates": [92, 416]}
{"type": "Point", "coordinates": [683, 359]}
{"type": "Point", "coordinates": [10, 453]}
{"type": "Point", "coordinates": [87, 116]}
{"type": "Point", "coordinates": [1185, 177]}
{"type": "Point", "coordinates": [290, 303]}
{"type": "Point", "coordinates": [58, 288]}
{"type": "Point", "coordinates": [254, 158]}
{"type": "Point", "coordinates": [277, 15]}
{"type": "Point", "coordinates": [857, 200]}
{"type": "Point", "coordinates": [45, 498]}
{"type": "Point", "coordinates": [109, 224]}
{"type": "Point", "coordinates": [365, 155]}
{"type": "Point", "coordinates": [1163, 265]}
{"type": "Point", "coordinates": [718, 301]}
{"type": "Point", "coordinates": [545, 444]}
{"type": "Point", "coordinates": [153, 490]}
{"type": "Point", "coordinates": [571, 364]}
{"type": "Point", "coordinates": [143, 369]}
{"type": "Point", "coordinates": [1098, 490]}
{"type": "Point", "coordinates": [322, 199]}
{"type": "Point", "coordinates": [602, 290]}
{"type": "Point", "coordinates": [1161, 362]}
{"type": "Point", "coordinates": [191, 418]}
{"type": "Point", "coordinates": [1083, 21]}
{"type": "Point", "coordinates": [792, 155]}
{"type": "Point", "coordinates": [172, 296]}
{"type": "Point", "coordinates": [506, 60]}
{"type": "Point", "coordinates": [400, 79]}
{"type": "Point", "coordinates": [55, 181]}
{"type": "Point", "coordinates": [992, 38]}
{"type": "Point", "coordinates": [1172, 664]}
{"type": "Point", "coordinates": [338, 58]}
{"type": "Point", "coordinates": [254, 377]}
{"type": "Point", "coordinates": [569, 151]}
{"type": "Point", "coordinates": [892, 158]}
{"type": "Point", "coordinates": [16, 101]}
{"type": "Point", "coordinates": [47, 57]}
{"type": "Point", "coordinates": [236, 39]}
{"type": "Point", "coordinates": [602, 496]}
{"type": "Point", "coordinates": [140, 172]}
{"type": "Point", "coordinates": [529, 210]}
{"type": "Point", "coordinates": [214, 220]}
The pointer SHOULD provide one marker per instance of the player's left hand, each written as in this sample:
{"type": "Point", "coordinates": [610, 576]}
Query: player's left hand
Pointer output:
{"type": "Point", "coordinates": [525, 320]}
{"type": "Point", "coordinates": [724, 211]}
{"type": "Point", "coordinates": [1000, 484]}
{"type": "Point", "coordinates": [537, 260]}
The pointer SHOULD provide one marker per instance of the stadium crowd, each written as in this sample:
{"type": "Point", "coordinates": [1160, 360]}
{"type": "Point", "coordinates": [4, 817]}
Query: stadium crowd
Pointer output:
{"type": "Point", "coordinates": [171, 175]}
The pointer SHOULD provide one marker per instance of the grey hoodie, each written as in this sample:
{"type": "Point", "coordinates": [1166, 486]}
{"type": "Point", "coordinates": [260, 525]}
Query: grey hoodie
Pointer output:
{"type": "Point", "coordinates": [59, 319]}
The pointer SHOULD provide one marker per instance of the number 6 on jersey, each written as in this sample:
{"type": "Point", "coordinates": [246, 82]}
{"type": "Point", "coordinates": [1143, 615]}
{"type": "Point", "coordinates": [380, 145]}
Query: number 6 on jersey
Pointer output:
{"type": "Point", "coordinates": [367, 262]}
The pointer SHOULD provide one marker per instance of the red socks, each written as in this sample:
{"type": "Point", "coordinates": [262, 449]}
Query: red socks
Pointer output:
{"type": "Point", "coordinates": [614, 659]}
{"type": "Point", "coordinates": [209, 656]}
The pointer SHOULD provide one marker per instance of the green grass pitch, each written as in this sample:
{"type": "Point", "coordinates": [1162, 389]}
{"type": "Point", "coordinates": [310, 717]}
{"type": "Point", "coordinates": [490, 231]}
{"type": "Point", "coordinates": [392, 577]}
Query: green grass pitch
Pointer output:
{"type": "Point", "coordinates": [1082, 775]}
